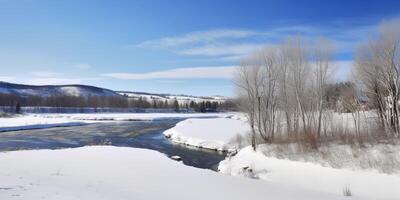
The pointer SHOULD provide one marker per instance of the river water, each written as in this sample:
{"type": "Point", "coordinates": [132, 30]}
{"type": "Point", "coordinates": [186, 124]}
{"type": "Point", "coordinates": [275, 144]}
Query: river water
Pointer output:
{"type": "Point", "coordinates": [137, 134]}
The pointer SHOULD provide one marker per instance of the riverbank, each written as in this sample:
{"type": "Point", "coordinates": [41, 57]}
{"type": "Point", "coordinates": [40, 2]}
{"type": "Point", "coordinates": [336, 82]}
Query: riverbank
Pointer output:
{"type": "Point", "coordinates": [333, 168]}
{"type": "Point", "coordinates": [270, 163]}
{"type": "Point", "coordinates": [220, 134]}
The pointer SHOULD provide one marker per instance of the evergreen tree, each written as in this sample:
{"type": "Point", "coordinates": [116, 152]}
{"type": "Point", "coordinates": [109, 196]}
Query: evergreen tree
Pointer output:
{"type": "Point", "coordinates": [202, 107]}
{"type": "Point", "coordinates": [154, 104]}
{"type": "Point", "coordinates": [176, 105]}
{"type": "Point", "coordinates": [18, 108]}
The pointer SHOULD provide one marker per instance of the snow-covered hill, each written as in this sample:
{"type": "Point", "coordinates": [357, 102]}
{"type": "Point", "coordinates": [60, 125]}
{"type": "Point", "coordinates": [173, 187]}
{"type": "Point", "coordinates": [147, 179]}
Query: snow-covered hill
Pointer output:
{"type": "Point", "coordinates": [168, 97]}
{"type": "Point", "coordinates": [85, 90]}
{"type": "Point", "coordinates": [49, 90]}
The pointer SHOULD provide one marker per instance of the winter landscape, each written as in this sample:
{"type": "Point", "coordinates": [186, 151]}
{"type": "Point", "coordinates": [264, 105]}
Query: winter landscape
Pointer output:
{"type": "Point", "coordinates": [149, 100]}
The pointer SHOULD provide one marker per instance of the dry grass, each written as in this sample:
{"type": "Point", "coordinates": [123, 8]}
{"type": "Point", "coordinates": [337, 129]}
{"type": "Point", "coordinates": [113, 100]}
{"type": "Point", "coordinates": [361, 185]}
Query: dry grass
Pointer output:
{"type": "Point", "coordinates": [347, 192]}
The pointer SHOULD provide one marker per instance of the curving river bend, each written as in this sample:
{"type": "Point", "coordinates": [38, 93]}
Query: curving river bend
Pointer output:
{"type": "Point", "coordinates": [137, 134]}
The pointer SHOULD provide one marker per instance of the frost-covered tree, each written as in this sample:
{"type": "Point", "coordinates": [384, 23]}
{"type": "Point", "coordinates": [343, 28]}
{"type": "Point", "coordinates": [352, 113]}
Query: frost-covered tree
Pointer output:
{"type": "Point", "coordinates": [285, 85]}
{"type": "Point", "coordinates": [377, 66]}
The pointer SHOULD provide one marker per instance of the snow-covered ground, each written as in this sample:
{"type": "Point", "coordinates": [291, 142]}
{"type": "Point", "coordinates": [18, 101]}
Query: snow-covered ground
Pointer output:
{"type": "Point", "coordinates": [134, 116]}
{"type": "Point", "coordinates": [34, 121]}
{"type": "Point", "coordinates": [24, 122]}
{"type": "Point", "coordinates": [383, 157]}
{"type": "Point", "coordinates": [332, 169]}
{"type": "Point", "coordinates": [222, 133]}
{"type": "Point", "coordinates": [128, 173]}
{"type": "Point", "coordinates": [363, 184]}
{"type": "Point", "coordinates": [217, 134]}
{"type": "Point", "coordinates": [119, 173]}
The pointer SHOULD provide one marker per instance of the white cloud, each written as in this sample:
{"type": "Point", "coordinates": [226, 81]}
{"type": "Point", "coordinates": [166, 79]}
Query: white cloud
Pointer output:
{"type": "Point", "coordinates": [7, 78]}
{"type": "Point", "coordinates": [44, 74]}
{"type": "Point", "coordinates": [208, 43]}
{"type": "Point", "coordinates": [231, 42]}
{"type": "Point", "coordinates": [59, 81]}
{"type": "Point", "coordinates": [221, 50]}
{"type": "Point", "coordinates": [221, 72]}
{"type": "Point", "coordinates": [82, 66]}
{"type": "Point", "coordinates": [52, 78]}
{"type": "Point", "coordinates": [342, 69]}
{"type": "Point", "coordinates": [196, 37]}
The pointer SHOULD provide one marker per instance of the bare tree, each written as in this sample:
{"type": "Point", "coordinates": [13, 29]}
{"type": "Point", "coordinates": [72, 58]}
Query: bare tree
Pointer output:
{"type": "Point", "coordinates": [378, 68]}
{"type": "Point", "coordinates": [278, 85]}
{"type": "Point", "coordinates": [248, 84]}
{"type": "Point", "coordinates": [298, 67]}
{"type": "Point", "coordinates": [323, 69]}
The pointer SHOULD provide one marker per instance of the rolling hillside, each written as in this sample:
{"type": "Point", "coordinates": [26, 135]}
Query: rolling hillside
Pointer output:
{"type": "Point", "coordinates": [49, 90]}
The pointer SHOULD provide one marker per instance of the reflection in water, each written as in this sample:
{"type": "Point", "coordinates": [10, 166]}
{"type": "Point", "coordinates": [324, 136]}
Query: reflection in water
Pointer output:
{"type": "Point", "coordinates": [147, 135]}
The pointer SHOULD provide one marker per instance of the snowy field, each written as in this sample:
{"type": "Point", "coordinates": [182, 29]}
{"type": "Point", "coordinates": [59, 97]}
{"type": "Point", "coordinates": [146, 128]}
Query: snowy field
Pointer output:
{"type": "Point", "coordinates": [128, 173]}
{"type": "Point", "coordinates": [363, 184]}
{"type": "Point", "coordinates": [332, 169]}
{"type": "Point", "coordinates": [216, 134]}
{"type": "Point", "coordinates": [134, 116]}
{"type": "Point", "coordinates": [382, 157]}
{"type": "Point", "coordinates": [118, 173]}
{"type": "Point", "coordinates": [25, 122]}
{"type": "Point", "coordinates": [34, 121]}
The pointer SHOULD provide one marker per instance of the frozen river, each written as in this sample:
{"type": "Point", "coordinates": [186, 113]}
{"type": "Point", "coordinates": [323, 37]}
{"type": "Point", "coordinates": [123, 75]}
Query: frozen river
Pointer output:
{"type": "Point", "coordinates": [139, 134]}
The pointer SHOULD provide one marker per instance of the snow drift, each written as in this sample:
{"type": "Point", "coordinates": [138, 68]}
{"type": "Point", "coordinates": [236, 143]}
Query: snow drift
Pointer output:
{"type": "Point", "coordinates": [119, 173]}
{"type": "Point", "coordinates": [216, 134]}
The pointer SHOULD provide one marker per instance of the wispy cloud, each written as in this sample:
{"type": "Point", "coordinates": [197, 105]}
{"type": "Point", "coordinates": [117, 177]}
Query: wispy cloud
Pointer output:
{"type": "Point", "coordinates": [221, 50]}
{"type": "Point", "coordinates": [236, 43]}
{"type": "Point", "coordinates": [197, 37]}
{"type": "Point", "coordinates": [53, 78]}
{"type": "Point", "coordinates": [59, 81]}
{"type": "Point", "coordinates": [220, 72]}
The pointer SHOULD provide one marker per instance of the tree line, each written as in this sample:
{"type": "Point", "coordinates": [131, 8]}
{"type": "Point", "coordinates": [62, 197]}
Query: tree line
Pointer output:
{"type": "Point", "coordinates": [287, 91]}
{"type": "Point", "coordinates": [16, 101]}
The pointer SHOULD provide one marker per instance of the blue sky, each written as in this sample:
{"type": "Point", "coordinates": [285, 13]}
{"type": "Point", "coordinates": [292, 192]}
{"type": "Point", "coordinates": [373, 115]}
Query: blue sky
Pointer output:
{"type": "Point", "coordinates": [188, 47]}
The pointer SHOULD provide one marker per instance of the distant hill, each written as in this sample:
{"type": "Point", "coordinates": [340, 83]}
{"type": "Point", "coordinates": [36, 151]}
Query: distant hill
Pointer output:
{"type": "Point", "coordinates": [85, 91]}
{"type": "Point", "coordinates": [51, 90]}
{"type": "Point", "coordinates": [181, 97]}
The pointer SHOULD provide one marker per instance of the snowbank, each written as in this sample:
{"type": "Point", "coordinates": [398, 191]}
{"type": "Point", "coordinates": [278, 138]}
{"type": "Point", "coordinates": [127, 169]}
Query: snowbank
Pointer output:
{"type": "Point", "coordinates": [362, 184]}
{"type": "Point", "coordinates": [134, 116]}
{"type": "Point", "coordinates": [24, 122]}
{"type": "Point", "coordinates": [217, 133]}
{"type": "Point", "coordinates": [118, 173]}
{"type": "Point", "coordinates": [381, 157]}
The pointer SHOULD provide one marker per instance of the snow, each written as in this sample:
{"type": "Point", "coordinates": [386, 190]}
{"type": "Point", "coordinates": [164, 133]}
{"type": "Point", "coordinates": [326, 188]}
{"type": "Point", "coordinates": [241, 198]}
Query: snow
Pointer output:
{"type": "Point", "coordinates": [133, 116]}
{"type": "Point", "coordinates": [119, 173]}
{"type": "Point", "coordinates": [363, 184]}
{"type": "Point", "coordinates": [129, 173]}
{"type": "Point", "coordinates": [25, 122]}
{"type": "Point", "coordinates": [71, 90]}
{"type": "Point", "coordinates": [182, 99]}
{"type": "Point", "coordinates": [35, 121]}
{"type": "Point", "coordinates": [216, 133]}
{"type": "Point", "coordinates": [382, 157]}
{"type": "Point", "coordinates": [49, 90]}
